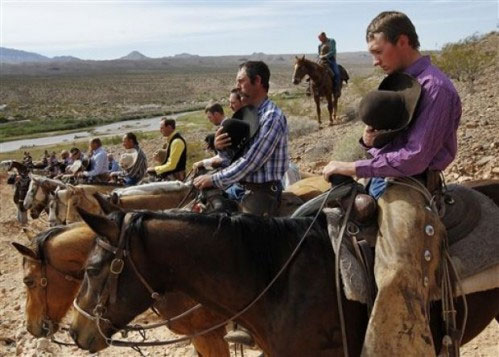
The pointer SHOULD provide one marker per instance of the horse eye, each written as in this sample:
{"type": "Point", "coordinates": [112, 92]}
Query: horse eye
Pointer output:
{"type": "Point", "coordinates": [29, 282]}
{"type": "Point", "coordinates": [92, 271]}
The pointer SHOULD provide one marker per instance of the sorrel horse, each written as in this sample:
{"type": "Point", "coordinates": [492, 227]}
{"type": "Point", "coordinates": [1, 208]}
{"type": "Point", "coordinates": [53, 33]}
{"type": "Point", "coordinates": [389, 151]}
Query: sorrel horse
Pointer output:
{"type": "Point", "coordinates": [224, 263]}
{"type": "Point", "coordinates": [321, 84]}
{"type": "Point", "coordinates": [53, 272]}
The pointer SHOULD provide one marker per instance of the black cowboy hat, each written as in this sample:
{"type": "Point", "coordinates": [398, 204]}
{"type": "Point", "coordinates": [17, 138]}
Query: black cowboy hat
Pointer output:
{"type": "Point", "coordinates": [241, 128]}
{"type": "Point", "coordinates": [391, 107]}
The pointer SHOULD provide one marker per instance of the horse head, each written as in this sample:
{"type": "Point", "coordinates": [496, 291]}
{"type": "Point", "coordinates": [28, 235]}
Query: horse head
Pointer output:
{"type": "Point", "coordinates": [13, 164]}
{"type": "Point", "coordinates": [49, 279]}
{"type": "Point", "coordinates": [57, 207]}
{"type": "Point", "coordinates": [109, 282]}
{"type": "Point", "coordinates": [37, 197]}
{"type": "Point", "coordinates": [21, 184]}
{"type": "Point", "coordinates": [300, 70]}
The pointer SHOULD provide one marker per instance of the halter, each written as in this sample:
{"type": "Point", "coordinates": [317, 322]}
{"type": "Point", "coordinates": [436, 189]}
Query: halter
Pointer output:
{"type": "Point", "coordinates": [47, 322]}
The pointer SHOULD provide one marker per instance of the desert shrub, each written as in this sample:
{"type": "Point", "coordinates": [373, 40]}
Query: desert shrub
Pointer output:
{"type": "Point", "coordinates": [300, 126]}
{"type": "Point", "coordinates": [362, 85]}
{"type": "Point", "coordinates": [465, 60]}
{"type": "Point", "coordinates": [347, 147]}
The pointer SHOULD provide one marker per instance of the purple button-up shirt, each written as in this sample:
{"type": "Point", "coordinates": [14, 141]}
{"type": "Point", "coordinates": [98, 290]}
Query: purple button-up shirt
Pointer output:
{"type": "Point", "coordinates": [431, 140]}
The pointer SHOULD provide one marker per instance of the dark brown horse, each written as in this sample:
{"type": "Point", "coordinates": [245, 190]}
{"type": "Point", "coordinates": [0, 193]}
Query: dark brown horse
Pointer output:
{"type": "Point", "coordinates": [321, 82]}
{"type": "Point", "coordinates": [53, 272]}
{"type": "Point", "coordinates": [21, 182]}
{"type": "Point", "coordinates": [224, 263]}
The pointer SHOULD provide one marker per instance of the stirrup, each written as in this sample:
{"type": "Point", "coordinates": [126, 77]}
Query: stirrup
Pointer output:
{"type": "Point", "coordinates": [240, 336]}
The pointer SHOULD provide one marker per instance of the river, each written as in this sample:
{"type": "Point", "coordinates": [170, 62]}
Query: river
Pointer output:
{"type": "Point", "coordinates": [118, 128]}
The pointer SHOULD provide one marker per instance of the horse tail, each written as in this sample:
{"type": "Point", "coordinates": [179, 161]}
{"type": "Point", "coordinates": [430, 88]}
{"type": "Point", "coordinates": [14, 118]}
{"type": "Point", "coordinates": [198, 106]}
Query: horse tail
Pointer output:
{"type": "Point", "coordinates": [343, 74]}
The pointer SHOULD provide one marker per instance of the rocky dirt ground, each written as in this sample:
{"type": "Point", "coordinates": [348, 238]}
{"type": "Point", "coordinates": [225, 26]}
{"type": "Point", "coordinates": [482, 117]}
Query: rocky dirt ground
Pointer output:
{"type": "Point", "coordinates": [311, 149]}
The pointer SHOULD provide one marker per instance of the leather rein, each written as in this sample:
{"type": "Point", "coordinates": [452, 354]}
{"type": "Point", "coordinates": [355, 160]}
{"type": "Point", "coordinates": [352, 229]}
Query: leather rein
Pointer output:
{"type": "Point", "coordinates": [47, 323]}
{"type": "Point", "coordinates": [109, 289]}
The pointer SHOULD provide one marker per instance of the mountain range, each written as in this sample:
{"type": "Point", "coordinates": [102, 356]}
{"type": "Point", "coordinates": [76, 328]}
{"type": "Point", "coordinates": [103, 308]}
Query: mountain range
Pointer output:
{"type": "Point", "coordinates": [17, 62]}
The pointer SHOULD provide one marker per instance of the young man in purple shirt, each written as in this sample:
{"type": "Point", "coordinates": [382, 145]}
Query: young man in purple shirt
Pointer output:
{"type": "Point", "coordinates": [408, 245]}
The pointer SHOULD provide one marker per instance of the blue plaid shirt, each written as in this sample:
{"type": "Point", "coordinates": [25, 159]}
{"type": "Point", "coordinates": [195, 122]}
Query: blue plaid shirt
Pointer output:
{"type": "Point", "coordinates": [266, 156]}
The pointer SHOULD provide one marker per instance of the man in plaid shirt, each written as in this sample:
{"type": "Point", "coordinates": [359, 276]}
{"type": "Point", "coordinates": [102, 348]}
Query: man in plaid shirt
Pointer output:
{"type": "Point", "coordinates": [265, 158]}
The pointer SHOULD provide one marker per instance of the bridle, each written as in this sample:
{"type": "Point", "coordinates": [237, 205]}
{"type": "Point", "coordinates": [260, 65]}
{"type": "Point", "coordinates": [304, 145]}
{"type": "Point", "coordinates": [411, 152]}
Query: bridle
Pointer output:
{"type": "Point", "coordinates": [109, 289]}
{"type": "Point", "coordinates": [36, 206]}
{"type": "Point", "coordinates": [47, 323]}
{"type": "Point", "coordinates": [303, 73]}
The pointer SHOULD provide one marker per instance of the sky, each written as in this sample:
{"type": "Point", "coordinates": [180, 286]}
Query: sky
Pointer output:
{"type": "Point", "coordinates": [107, 29]}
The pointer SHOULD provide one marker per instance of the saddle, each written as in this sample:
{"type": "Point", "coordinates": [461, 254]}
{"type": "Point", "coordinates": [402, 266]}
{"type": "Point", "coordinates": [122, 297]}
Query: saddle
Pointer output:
{"type": "Point", "coordinates": [469, 217]}
{"type": "Point", "coordinates": [460, 208]}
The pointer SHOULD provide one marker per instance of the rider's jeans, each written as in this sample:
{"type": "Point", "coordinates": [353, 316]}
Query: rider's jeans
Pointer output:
{"type": "Point", "coordinates": [406, 262]}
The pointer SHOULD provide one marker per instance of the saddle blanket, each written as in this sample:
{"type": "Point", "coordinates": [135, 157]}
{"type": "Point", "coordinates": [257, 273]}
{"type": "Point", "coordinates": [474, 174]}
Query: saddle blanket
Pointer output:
{"type": "Point", "coordinates": [476, 256]}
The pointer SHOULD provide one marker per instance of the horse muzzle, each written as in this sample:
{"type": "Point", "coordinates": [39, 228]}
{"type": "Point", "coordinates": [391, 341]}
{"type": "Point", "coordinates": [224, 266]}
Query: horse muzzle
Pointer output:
{"type": "Point", "coordinates": [296, 81]}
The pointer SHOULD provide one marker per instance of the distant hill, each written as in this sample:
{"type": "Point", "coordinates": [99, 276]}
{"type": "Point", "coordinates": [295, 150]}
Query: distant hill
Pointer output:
{"type": "Point", "coordinates": [12, 56]}
{"type": "Point", "coordinates": [9, 55]}
{"type": "Point", "coordinates": [65, 58]}
{"type": "Point", "coordinates": [134, 56]}
{"type": "Point", "coordinates": [185, 55]}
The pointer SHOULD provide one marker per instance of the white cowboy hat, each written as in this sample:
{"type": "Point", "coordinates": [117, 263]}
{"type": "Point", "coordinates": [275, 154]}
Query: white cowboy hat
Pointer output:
{"type": "Point", "coordinates": [75, 167]}
{"type": "Point", "coordinates": [128, 159]}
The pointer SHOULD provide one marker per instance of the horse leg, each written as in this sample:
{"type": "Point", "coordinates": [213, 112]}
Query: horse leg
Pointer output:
{"type": "Point", "coordinates": [317, 100]}
{"type": "Point", "coordinates": [330, 108]}
{"type": "Point", "coordinates": [335, 107]}
{"type": "Point", "coordinates": [212, 344]}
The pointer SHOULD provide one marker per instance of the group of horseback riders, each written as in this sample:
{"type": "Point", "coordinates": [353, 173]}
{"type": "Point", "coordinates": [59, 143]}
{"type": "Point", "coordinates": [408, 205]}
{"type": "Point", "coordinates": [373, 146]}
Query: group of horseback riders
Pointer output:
{"type": "Point", "coordinates": [411, 131]}
{"type": "Point", "coordinates": [420, 144]}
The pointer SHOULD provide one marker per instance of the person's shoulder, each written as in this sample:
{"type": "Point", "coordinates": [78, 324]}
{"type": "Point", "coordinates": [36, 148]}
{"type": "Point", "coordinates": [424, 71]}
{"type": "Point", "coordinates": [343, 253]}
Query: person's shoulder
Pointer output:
{"type": "Point", "coordinates": [434, 83]}
{"type": "Point", "coordinates": [270, 111]}
{"type": "Point", "coordinates": [433, 80]}
{"type": "Point", "coordinates": [270, 107]}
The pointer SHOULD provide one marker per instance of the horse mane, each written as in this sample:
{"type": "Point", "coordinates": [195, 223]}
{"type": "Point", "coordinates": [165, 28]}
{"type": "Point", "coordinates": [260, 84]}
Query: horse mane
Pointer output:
{"type": "Point", "coordinates": [308, 62]}
{"type": "Point", "coordinates": [263, 239]}
{"type": "Point", "coordinates": [19, 166]}
{"type": "Point", "coordinates": [41, 238]}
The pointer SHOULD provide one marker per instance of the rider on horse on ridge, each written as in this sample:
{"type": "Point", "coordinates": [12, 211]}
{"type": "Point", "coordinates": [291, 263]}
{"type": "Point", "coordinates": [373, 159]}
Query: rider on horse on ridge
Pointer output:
{"type": "Point", "coordinates": [327, 56]}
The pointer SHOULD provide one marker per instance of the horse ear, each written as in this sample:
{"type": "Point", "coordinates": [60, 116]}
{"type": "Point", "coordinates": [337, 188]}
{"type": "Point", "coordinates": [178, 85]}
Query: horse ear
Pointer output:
{"type": "Point", "coordinates": [106, 206]}
{"type": "Point", "coordinates": [25, 251]}
{"type": "Point", "coordinates": [297, 58]}
{"type": "Point", "coordinates": [100, 225]}
{"type": "Point", "coordinates": [303, 57]}
{"type": "Point", "coordinates": [29, 233]}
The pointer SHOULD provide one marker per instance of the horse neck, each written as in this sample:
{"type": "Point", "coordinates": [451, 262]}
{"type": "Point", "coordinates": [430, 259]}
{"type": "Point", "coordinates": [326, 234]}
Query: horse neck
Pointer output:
{"type": "Point", "coordinates": [314, 71]}
{"type": "Point", "coordinates": [197, 253]}
{"type": "Point", "coordinates": [21, 169]}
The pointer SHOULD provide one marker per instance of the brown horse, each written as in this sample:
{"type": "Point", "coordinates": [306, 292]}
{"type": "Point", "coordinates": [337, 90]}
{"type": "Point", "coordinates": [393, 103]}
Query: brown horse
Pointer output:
{"type": "Point", "coordinates": [224, 263]}
{"type": "Point", "coordinates": [53, 273]}
{"type": "Point", "coordinates": [321, 82]}
{"type": "Point", "coordinates": [21, 182]}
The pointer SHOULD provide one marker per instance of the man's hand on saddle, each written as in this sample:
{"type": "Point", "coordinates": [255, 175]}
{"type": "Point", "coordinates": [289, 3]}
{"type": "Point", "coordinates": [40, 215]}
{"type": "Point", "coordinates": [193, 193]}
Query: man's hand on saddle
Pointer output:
{"type": "Point", "coordinates": [222, 140]}
{"type": "Point", "coordinates": [203, 181]}
{"type": "Point", "coordinates": [338, 167]}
